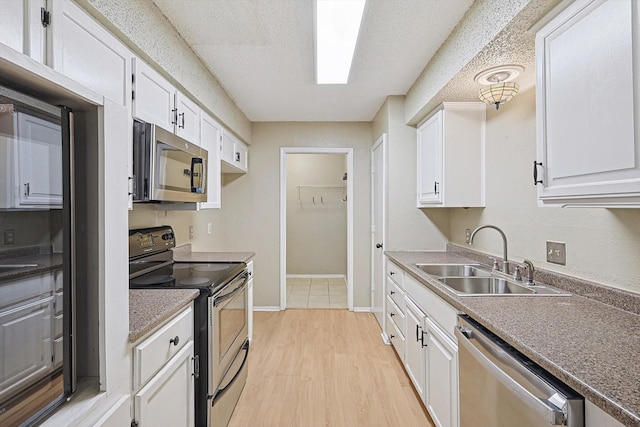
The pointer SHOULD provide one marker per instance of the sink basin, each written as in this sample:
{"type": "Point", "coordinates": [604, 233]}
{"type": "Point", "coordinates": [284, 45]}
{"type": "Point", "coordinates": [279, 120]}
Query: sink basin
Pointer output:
{"type": "Point", "coordinates": [7, 268]}
{"type": "Point", "coordinates": [484, 286]}
{"type": "Point", "coordinates": [456, 270]}
{"type": "Point", "coordinates": [497, 286]}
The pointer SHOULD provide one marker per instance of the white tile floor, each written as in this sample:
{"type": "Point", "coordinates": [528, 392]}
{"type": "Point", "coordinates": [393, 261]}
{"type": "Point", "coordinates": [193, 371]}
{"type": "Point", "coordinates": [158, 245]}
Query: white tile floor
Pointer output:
{"type": "Point", "coordinates": [319, 292]}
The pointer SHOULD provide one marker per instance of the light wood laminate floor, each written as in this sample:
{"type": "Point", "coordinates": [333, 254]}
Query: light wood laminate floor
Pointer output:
{"type": "Point", "coordinates": [324, 368]}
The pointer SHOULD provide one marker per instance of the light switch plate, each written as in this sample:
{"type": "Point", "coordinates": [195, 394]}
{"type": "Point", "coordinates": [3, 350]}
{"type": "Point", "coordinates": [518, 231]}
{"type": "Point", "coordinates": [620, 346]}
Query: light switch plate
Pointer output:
{"type": "Point", "coordinates": [556, 253]}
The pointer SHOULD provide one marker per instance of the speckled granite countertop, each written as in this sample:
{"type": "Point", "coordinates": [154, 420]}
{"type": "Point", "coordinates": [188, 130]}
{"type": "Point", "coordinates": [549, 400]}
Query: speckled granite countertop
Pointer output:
{"type": "Point", "coordinates": [183, 254]}
{"type": "Point", "coordinates": [148, 308]}
{"type": "Point", "coordinates": [44, 263]}
{"type": "Point", "coordinates": [592, 347]}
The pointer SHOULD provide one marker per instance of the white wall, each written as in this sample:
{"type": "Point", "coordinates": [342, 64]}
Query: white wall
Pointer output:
{"type": "Point", "coordinates": [603, 245]}
{"type": "Point", "coordinates": [316, 217]}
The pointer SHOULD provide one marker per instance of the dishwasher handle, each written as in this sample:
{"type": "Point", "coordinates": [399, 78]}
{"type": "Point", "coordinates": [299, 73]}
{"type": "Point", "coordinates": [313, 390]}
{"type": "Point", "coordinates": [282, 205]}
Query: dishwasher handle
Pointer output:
{"type": "Point", "coordinates": [465, 335]}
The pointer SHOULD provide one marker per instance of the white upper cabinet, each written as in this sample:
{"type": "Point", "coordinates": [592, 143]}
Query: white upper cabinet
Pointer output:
{"type": "Point", "coordinates": [22, 28]}
{"type": "Point", "coordinates": [234, 154]}
{"type": "Point", "coordinates": [210, 140]}
{"type": "Point", "coordinates": [588, 105]}
{"type": "Point", "coordinates": [153, 96]}
{"type": "Point", "coordinates": [188, 118]}
{"type": "Point", "coordinates": [451, 156]}
{"type": "Point", "coordinates": [157, 101]}
{"type": "Point", "coordinates": [83, 50]}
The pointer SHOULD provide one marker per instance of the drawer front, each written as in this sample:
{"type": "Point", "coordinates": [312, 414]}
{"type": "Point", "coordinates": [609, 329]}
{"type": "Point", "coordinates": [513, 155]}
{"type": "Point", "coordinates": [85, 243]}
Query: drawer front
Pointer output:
{"type": "Point", "coordinates": [435, 307]}
{"type": "Point", "coordinates": [396, 337]}
{"type": "Point", "coordinates": [395, 273]}
{"type": "Point", "coordinates": [57, 326]}
{"type": "Point", "coordinates": [396, 315]}
{"type": "Point", "coordinates": [151, 354]}
{"type": "Point", "coordinates": [396, 294]}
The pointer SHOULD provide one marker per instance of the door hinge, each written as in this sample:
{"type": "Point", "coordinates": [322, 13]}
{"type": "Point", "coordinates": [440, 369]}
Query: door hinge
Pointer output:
{"type": "Point", "coordinates": [133, 95]}
{"type": "Point", "coordinates": [45, 17]}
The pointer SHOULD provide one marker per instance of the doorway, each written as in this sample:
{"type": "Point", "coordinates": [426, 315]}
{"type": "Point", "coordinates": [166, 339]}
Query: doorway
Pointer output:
{"type": "Point", "coordinates": [316, 226]}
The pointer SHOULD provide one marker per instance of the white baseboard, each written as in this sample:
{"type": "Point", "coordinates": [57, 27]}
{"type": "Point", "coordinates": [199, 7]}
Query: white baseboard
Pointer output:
{"type": "Point", "coordinates": [362, 309]}
{"type": "Point", "coordinates": [316, 276]}
{"type": "Point", "coordinates": [267, 308]}
{"type": "Point", "coordinates": [385, 339]}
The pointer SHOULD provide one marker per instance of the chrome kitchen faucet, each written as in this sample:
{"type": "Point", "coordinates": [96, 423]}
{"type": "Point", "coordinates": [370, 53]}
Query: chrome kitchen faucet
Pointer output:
{"type": "Point", "coordinates": [505, 261]}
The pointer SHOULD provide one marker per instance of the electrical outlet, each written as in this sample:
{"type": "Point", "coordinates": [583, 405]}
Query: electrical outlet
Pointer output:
{"type": "Point", "coordinates": [209, 228]}
{"type": "Point", "coordinates": [190, 232]}
{"type": "Point", "coordinates": [468, 234]}
{"type": "Point", "coordinates": [9, 237]}
{"type": "Point", "coordinates": [556, 253]}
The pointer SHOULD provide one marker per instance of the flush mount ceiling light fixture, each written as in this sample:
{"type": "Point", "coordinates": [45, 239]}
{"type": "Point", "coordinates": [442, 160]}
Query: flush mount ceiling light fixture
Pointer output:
{"type": "Point", "coordinates": [500, 88]}
{"type": "Point", "coordinates": [337, 24]}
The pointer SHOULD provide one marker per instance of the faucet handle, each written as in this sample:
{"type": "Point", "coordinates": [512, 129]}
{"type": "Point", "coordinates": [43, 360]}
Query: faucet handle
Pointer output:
{"type": "Point", "coordinates": [496, 266]}
{"type": "Point", "coordinates": [516, 274]}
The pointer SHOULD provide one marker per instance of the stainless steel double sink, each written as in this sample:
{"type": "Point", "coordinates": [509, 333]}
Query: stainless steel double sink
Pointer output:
{"type": "Point", "coordinates": [478, 280]}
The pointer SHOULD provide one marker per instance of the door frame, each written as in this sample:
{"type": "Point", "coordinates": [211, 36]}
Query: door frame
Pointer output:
{"type": "Point", "coordinates": [383, 144]}
{"type": "Point", "coordinates": [283, 216]}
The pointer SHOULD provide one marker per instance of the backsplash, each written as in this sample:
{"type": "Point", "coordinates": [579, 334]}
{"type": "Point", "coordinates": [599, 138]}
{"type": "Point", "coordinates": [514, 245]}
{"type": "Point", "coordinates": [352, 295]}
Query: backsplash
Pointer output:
{"type": "Point", "coordinates": [624, 300]}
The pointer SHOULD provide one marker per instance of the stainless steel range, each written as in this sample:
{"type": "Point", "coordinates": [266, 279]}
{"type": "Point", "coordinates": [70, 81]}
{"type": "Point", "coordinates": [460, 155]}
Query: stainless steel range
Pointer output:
{"type": "Point", "coordinates": [220, 317]}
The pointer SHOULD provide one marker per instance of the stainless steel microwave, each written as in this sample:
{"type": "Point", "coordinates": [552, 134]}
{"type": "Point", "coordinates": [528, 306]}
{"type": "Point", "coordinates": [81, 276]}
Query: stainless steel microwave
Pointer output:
{"type": "Point", "coordinates": [167, 168]}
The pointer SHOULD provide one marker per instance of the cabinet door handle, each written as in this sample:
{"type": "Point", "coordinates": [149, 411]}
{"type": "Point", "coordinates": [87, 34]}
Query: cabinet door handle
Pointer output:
{"type": "Point", "coordinates": [418, 337]}
{"type": "Point", "coordinates": [435, 187]}
{"type": "Point", "coordinates": [174, 113]}
{"type": "Point", "coordinates": [536, 181]}
{"type": "Point", "coordinates": [196, 366]}
{"type": "Point", "coordinates": [422, 339]}
{"type": "Point", "coordinates": [237, 156]}
{"type": "Point", "coordinates": [175, 340]}
{"type": "Point", "coordinates": [182, 125]}
{"type": "Point", "coordinates": [27, 189]}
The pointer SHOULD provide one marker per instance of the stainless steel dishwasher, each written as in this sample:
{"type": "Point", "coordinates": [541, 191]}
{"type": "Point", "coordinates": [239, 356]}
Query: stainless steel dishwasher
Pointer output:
{"type": "Point", "coordinates": [501, 387]}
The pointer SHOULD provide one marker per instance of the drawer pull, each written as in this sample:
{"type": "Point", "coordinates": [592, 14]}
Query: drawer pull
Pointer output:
{"type": "Point", "coordinates": [391, 273]}
{"type": "Point", "coordinates": [175, 340]}
{"type": "Point", "coordinates": [391, 336]}
{"type": "Point", "coordinates": [392, 314]}
{"type": "Point", "coordinates": [392, 292]}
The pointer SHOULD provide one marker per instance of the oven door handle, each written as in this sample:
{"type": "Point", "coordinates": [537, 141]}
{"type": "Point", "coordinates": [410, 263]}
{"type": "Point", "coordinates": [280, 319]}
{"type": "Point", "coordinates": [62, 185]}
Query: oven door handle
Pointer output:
{"type": "Point", "coordinates": [221, 391]}
{"type": "Point", "coordinates": [220, 298]}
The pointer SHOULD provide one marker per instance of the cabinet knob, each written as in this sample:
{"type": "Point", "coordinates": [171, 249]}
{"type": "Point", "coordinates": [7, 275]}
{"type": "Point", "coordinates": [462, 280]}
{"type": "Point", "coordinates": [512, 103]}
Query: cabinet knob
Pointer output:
{"type": "Point", "coordinates": [378, 245]}
{"type": "Point", "coordinates": [391, 273]}
{"type": "Point", "coordinates": [392, 314]}
{"type": "Point", "coordinates": [391, 336]}
{"type": "Point", "coordinates": [175, 340]}
{"type": "Point", "coordinates": [392, 292]}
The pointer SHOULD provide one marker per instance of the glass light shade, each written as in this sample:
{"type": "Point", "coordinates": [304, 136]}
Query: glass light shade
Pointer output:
{"type": "Point", "coordinates": [498, 93]}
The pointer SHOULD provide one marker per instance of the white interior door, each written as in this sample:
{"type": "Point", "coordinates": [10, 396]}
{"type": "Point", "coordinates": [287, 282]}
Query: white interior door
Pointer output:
{"type": "Point", "coordinates": [378, 226]}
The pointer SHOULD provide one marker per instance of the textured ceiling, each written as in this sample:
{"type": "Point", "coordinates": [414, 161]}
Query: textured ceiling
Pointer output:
{"type": "Point", "coordinates": [262, 53]}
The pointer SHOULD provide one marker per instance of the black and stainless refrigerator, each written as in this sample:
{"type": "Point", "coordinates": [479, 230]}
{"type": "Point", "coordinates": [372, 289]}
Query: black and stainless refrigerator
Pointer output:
{"type": "Point", "coordinates": [37, 268]}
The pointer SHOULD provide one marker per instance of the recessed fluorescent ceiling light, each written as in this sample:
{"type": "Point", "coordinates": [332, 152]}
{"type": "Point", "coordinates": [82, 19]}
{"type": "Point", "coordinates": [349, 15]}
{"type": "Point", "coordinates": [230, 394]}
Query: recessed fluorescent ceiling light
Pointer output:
{"type": "Point", "coordinates": [337, 27]}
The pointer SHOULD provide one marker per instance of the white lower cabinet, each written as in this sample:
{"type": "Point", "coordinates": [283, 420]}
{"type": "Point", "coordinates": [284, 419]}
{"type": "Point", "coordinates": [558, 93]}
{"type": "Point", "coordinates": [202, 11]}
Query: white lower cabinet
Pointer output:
{"type": "Point", "coordinates": [441, 391]}
{"type": "Point", "coordinates": [421, 331]}
{"type": "Point", "coordinates": [163, 375]}
{"type": "Point", "coordinates": [415, 342]}
{"type": "Point", "coordinates": [168, 399]}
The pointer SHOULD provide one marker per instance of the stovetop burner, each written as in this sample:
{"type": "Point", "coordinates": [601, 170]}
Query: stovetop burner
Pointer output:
{"type": "Point", "coordinates": [154, 279]}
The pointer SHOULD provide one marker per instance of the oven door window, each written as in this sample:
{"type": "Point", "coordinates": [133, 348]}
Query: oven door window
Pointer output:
{"type": "Point", "coordinates": [177, 170]}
